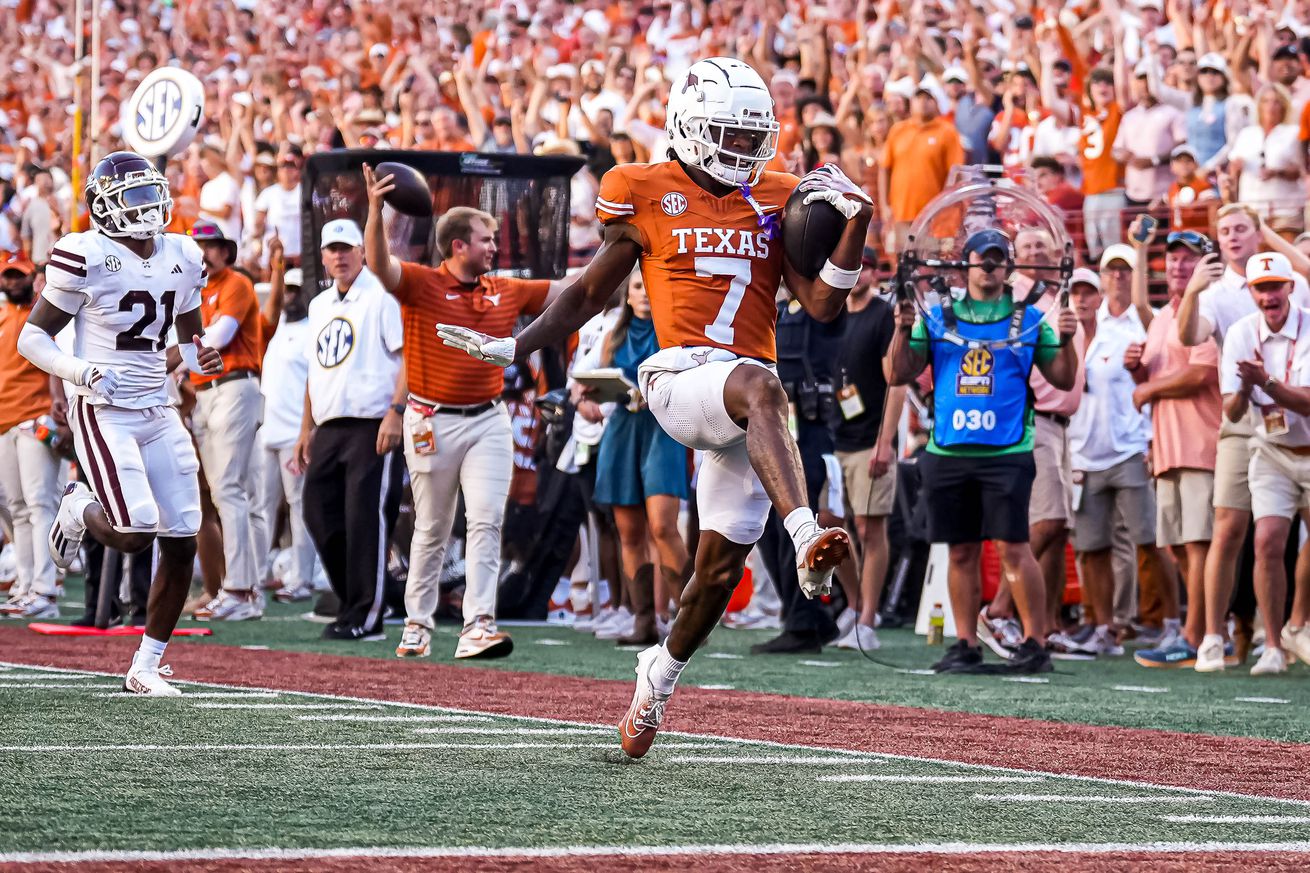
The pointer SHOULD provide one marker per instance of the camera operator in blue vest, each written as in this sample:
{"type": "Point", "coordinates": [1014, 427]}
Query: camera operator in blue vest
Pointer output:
{"type": "Point", "coordinates": [978, 469]}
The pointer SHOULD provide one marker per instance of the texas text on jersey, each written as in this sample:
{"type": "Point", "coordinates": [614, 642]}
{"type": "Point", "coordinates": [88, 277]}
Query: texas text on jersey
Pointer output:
{"type": "Point", "coordinates": [711, 270]}
{"type": "Point", "coordinates": [125, 306]}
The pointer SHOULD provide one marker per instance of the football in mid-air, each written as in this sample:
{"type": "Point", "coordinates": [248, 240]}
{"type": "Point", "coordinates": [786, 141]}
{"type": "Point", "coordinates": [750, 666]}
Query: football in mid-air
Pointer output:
{"type": "Point", "coordinates": [411, 194]}
{"type": "Point", "coordinates": [809, 233]}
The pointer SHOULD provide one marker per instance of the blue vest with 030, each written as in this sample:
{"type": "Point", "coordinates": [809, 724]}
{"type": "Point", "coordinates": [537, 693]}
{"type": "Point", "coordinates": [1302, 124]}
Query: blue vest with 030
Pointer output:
{"type": "Point", "coordinates": [980, 395]}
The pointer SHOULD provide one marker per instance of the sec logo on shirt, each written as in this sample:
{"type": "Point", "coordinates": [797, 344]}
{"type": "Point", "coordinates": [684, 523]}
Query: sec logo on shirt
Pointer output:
{"type": "Point", "coordinates": [335, 342]}
{"type": "Point", "coordinates": [673, 203]}
{"type": "Point", "coordinates": [975, 376]}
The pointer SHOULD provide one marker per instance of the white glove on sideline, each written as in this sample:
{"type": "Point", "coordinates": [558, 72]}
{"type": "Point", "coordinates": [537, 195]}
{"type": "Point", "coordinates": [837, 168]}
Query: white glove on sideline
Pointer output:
{"type": "Point", "coordinates": [493, 350]}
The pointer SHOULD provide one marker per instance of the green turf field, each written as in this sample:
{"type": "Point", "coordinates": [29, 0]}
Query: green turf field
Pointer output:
{"type": "Point", "coordinates": [225, 767]}
{"type": "Point", "coordinates": [1110, 691]}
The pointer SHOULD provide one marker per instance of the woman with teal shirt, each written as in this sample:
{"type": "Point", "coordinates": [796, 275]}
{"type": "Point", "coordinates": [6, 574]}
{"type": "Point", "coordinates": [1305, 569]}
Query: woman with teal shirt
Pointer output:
{"type": "Point", "coordinates": [642, 473]}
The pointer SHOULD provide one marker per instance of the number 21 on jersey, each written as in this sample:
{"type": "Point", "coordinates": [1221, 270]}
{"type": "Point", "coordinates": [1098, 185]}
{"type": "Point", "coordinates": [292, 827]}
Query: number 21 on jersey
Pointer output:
{"type": "Point", "coordinates": [132, 339]}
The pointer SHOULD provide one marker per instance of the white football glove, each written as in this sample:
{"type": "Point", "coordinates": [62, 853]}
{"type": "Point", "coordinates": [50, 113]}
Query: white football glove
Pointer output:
{"type": "Point", "coordinates": [104, 383]}
{"type": "Point", "coordinates": [493, 350]}
{"type": "Point", "coordinates": [828, 183]}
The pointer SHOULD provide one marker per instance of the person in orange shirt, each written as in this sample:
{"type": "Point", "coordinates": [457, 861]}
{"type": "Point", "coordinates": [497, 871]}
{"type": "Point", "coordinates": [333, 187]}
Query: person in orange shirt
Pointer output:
{"type": "Point", "coordinates": [1192, 200]}
{"type": "Point", "coordinates": [29, 467]}
{"type": "Point", "coordinates": [918, 157]}
{"type": "Point", "coordinates": [224, 423]}
{"type": "Point", "coordinates": [1103, 176]}
{"type": "Point", "coordinates": [456, 431]}
{"type": "Point", "coordinates": [703, 229]}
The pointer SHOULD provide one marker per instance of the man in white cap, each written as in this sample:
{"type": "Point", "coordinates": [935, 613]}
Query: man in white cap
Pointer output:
{"type": "Point", "coordinates": [351, 430]}
{"type": "Point", "coordinates": [1218, 296]}
{"type": "Point", "coordinates": [1109, 439]}
{"type": "Point", "coordinates": [1266, 368]}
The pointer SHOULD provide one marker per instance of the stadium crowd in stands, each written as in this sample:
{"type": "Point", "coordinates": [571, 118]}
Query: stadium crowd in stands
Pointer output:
{"type": "Point", "coordinates": [1197, 115]}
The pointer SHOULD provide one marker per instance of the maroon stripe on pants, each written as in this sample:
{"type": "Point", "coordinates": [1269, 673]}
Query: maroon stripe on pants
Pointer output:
{"type": "Point", "coordinates": [92, 468]}
{"type": "Point", "coordinates": [107, 461]}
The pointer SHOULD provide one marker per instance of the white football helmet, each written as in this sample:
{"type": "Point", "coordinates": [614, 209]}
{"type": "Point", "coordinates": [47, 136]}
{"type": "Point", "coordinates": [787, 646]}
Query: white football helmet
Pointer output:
{"type": "Point", "coordinates": [720, 119]}
{"type": "Point", "coordinates": [127, 196]}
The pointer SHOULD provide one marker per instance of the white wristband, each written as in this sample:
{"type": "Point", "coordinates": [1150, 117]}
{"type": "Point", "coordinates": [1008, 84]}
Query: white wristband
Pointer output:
{"type": "Point", "coordinates": [839, 278]}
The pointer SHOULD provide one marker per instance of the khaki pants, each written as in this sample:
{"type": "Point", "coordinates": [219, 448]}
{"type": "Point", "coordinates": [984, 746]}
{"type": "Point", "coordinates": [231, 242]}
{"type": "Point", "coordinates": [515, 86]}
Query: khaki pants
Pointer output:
{"type": "Point", "coordinates": [474, 455]}
{"type": "Point", "coordinates": [29, 478]}
{"type": "Point", "coordinates": [224, 422]}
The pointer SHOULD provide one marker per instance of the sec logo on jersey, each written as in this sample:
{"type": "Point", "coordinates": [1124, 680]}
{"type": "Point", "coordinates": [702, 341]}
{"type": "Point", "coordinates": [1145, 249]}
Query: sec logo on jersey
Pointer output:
{"type": "Point", "coordinates": [335, 342]}
{"type": "Point", "coordinates": [113, 264]}
{"type": "Point", "coordinates": [673, 203]}
{"type": "Point", "coordinates": [975, 376]}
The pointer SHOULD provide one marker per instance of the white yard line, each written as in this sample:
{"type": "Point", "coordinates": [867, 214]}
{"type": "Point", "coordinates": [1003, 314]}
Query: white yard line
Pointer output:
{"type": "Point", "coordinates": [1140, 689]}
{"type": "Point", "coordinates": [1262, 700]}
{"type": "Point", "coordinates": [515, 731]}
{"type": "Point", "coordinates": [286, 706]}
{"type": "Point", "coordinates": [382, 718]}
{"type": "Point", "coordinates": [719, 740]}
{"type": "Point", "coordinates": [76, 686]}
{"type": "Point", "coordinates": [292, 854]}
{"type": "Point", "coordinates": [776, 760]}
{"type": "Point", "coordinates": [1089, 798]}
{"type": "Point", "coordinates": [820, 663]}
{"type": "Point", "coordinates": [723, 656]}
{"type": "Point", "coordinates": [1238, 819]}
{"type": "Point", "coordinates": [302, 747]}
{"type": "Point", "coordinates": [903, 777]}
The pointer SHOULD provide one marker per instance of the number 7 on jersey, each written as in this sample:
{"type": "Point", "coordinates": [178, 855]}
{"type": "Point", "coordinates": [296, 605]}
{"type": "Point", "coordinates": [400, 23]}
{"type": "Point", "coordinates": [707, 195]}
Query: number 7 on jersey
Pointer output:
{"type": "Point", "coordinates": [738, 270]}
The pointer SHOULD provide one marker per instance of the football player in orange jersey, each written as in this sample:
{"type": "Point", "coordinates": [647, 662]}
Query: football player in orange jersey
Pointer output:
{"type": "Point", "coordinates": [704, 228]}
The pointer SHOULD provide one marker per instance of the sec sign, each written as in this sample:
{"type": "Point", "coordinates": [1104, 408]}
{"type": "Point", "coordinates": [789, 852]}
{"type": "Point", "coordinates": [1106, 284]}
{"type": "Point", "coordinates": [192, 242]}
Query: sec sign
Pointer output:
{"type": "Point", "coordinates": [164, 113]}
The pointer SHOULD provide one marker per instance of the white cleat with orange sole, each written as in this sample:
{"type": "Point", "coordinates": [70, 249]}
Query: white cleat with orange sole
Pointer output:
{"type": "Point", "coordinates": [817, 554]}
{"type": "Point", "coordinates": [637, 730]}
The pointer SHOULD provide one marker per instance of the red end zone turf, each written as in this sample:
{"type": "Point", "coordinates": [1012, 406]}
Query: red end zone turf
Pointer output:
{"type": "Point", "coordinates": [68, 630]}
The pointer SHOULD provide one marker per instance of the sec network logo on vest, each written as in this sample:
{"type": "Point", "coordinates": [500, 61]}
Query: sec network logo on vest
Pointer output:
{"type": "Point", "coordinates": [335, 342]}
{"type": "Point", "coordinates": [975, 376]}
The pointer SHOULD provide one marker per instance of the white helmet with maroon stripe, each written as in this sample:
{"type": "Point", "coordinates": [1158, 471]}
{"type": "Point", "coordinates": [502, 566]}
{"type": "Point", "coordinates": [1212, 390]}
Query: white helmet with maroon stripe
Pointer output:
{"type": "Point", "coordinates": [720, 119]}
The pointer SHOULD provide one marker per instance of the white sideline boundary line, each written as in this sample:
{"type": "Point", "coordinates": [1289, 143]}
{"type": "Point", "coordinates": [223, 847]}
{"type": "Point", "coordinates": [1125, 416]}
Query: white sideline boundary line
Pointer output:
{"type": "Point", "coordinates": [513, 731]}
{"type": "Point", "coordinates": [1086, 798]}
{"type": "Point", "coordinates": [291, 854]}
{"type": "Point", "coordinates": [313, 747]}
{"type": "Point", "coordinates": [283, 706]}
{"type": "Point", "coordinates": [924, 779]}
{"type": "Point", "coordinates": [382, 718]}
{"type": "Point", "coordinates": [713, 738]}
{"type": "Point", "coordinates": [775, 760]}
{"type": "Point", "coordinates": [1238, 819]}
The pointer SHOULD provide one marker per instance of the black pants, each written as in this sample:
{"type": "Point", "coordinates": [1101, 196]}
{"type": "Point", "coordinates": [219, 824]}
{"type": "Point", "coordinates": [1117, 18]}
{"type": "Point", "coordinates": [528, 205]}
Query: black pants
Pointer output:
{"type": "Point", "coordinates": [352, 498]}
{"type": "Point", "coordinates": [799, 613]}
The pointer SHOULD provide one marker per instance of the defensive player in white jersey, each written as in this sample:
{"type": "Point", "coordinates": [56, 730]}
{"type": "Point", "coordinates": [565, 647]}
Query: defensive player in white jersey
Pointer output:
{"type": "Point", "coordinates": [124, 284]}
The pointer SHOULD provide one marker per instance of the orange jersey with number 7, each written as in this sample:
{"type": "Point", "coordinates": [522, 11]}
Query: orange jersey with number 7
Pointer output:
{"type": "Point", "coordinates": [711, 270]}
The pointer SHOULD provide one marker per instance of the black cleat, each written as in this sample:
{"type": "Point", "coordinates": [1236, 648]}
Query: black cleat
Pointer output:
{"type": "Point", "coordinates": [790, 643]}
{"type": "Point", "coordinates": [1031, 657]}
{"type": "Point", "coordinates": [960, 658]}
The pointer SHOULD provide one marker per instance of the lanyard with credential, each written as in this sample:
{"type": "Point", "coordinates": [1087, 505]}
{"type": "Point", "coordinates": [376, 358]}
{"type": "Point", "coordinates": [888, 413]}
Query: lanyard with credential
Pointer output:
{"type": "Point", "coordinates": [1275, 420]}
{"type": "Point", "coordinates": [1291, 350]}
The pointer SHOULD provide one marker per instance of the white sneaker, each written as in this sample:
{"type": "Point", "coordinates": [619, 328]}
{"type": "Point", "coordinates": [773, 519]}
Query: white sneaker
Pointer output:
{"type": "Point", "coordinates": [588, 624]}
{"type": "Point", "coordinates": [646, 712]}
{"type": "Point", "coordinates": [818, 552]}
{"type": "Point", "coordinates": [622, 625]}
{"type": "Point", "coordinates": [236, 606]}
{"type": "Point", "coordinates": [65, 539]}
{"type": "Point", "coordinates": [1296, 642]}
{"type": "Point", "coordinates": [616, 618]}
{"type": "Point", "coordinates": [1210, 654]}
{"type": "Point", "coordinates": [846, 621]}
{"type": "Point", "coordinates": [8, 564]}
{"type": "Point", "coordinates": [1003, 636]}
{"type": "Point", "coordinates": [861, 638]}
{"type": "Point", "coordinates": [1103, 642]}
{"type": "Point", "coordinates": [482, 640]}
{"type": "Point", "coordinates": [35, 606]}
{"type": "Point", "coordinates": [294, 593]}
{"type": "Point", "coordinates": [147, 682]}
{"type": "Point", "coordinates": [415, 642]}
{"type": "Point", "coordinates": [1272, 662]}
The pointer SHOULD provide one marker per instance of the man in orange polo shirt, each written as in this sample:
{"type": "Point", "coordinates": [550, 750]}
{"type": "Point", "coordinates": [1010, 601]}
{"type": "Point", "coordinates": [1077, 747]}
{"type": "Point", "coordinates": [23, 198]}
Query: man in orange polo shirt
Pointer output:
{"type": "Point", "coordinates": [457, 432]}
{"type": "Point", "coordinates": [917, 158]}
{"type": "Point", "coordinates": [29, 468]}
{"type": "Point", "coordinates": [224, 423]}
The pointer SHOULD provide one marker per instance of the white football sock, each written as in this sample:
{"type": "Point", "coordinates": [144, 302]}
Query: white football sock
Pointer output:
{"type": "Point", "coordinates": [149, 653]}
{"type": "Point", "coordinates": [665, 671]}
{"type": "Point", "coordinates": [799, 522]}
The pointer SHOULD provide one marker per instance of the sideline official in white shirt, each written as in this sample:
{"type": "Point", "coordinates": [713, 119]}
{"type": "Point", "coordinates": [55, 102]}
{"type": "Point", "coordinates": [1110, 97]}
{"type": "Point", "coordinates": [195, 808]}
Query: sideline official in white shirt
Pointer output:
{"type": "Point", "coordinates": [351, 430]}
{"type": "Point", "coordinates": [1266, 368]}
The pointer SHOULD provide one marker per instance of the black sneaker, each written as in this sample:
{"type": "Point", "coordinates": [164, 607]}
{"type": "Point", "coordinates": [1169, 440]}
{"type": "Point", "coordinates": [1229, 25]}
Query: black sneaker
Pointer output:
{"type": "Point", "coordinates": [790, 643]}
{"type": "Point", "coordinates": [1031, 657]}
{"type": "Point", "coordinates": [960, 658]}
{"type": "Point", "coordinates": [353, 633]}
